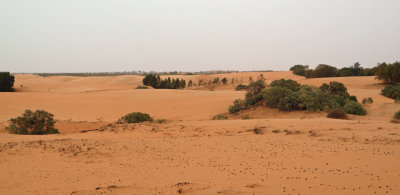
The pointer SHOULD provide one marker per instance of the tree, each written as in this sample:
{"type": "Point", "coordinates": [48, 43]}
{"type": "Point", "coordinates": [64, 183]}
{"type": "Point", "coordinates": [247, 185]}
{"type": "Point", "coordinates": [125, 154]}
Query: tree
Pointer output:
{"type": "Point", "coordinates": [224, 81]}
{"type": "Point", "coordinates": [324, 70]}
{"type": "Point", "coordinates": [190, 83]}
{"type": "Point", "coordinates": [38, 122]}
{"type": "Point", "coordinates": [388, 73]}
{"type": "Point", "coordinates": [299, 69]}
{"type": "Point", "coordinates": [6, 82]}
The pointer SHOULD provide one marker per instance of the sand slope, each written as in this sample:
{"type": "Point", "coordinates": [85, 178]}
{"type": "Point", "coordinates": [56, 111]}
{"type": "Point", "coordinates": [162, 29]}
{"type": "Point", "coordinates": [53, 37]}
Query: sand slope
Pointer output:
{"type": "Point", "coordinates": [271, 153]}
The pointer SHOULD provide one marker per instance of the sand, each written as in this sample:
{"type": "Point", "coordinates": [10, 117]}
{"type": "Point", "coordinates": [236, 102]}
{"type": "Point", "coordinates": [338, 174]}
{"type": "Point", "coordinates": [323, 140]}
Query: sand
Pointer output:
{"type": "Point", "coordinates": [271, 153]}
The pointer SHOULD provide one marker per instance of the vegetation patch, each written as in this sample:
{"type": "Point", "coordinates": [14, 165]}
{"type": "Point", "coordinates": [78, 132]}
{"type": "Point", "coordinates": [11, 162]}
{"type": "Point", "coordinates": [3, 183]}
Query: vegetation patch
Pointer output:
{"type": "Point", "coordinates": [354, 108]}
{"type": "Point", "coordinates": [288, 95]}
{"type": "Point", "coordinates": [33, 123]}
{"type": "Point", "coordinates": [368, 100]}
{"type": "Point", "coordinates": [337, 113]}
{"type": "Point", "coordinates": [156, 82]}
{"type": "Point", "coordinates": [388, 73]}
{"type": "Point", "coordinates": [324, 70]}
{"type": "Point", "coordinates": [135, 117]}
{"type": "Point", "coordinates": [240, 87]}
{"type": "Point", "coordinates": [392, 91]}
{"type": "Point", "coordinates": [6, 82]}
{"type": "Point", "coordinates": [397, 115]}
{"type": "Point", "coordinates": [142, 87]}
{"type": "Point", "coordinates": [219, 117]}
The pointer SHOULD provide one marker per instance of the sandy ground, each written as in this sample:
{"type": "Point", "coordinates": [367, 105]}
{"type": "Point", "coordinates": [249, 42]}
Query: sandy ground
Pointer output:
{"type": "Point", "coordinates": [271, 153]}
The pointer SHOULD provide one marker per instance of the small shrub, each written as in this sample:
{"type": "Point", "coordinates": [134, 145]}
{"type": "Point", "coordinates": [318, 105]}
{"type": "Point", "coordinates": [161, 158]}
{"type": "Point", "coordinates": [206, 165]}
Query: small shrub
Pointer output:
{"type": "Point", "coordinates": [219, 117]}
{"type": "Point", "coordinates": [161, 120]}
{"type": "Point", "coordinates": [258, 130]}
{"type": "Point", "coordinates": [354, 108]}
{"type": "Point", "coordinates": [237, 106]}
{"type": "Point", "coordinates": [397, 101]}
{"type": "Point", "coordinates": [241, 87]}
{"type": "Point", "coordinates": [134, 117]}
{"type": "Point", "coordinates": [368, 100]}
{"type": "Point", "coordinates": [6, 82]}
{"type": "Point", "coordinates": [34, 123]}
{"type": "Point", "coordinates": [397, 115]}
{"type": "Point", "coordinates": [392, 91]}
{"type": "Point", "coordinates": [245, 117]}
{"type": "Point", "coordinates": [337, 113]}
{"type": "Point", "coordinates": [142, 87]}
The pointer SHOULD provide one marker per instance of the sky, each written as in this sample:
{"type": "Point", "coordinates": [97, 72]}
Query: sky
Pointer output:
{"type": "Point", "coordinates": [189, 35]}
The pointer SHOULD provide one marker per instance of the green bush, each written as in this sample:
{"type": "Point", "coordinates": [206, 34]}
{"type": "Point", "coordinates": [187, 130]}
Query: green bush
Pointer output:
{"type": "Point", "coordinates": [6, 82]}
{"type": "Point", "coordinates": [354, 108]}
{"type": "Point", "coordinates": [237, 106]}
{"type": "Point", "coordinates": [289, 84]}
{"type": "Point", "coordinates": [323, 70]}
{"type": "Point", "coordinates": [241, 87]}
{"type": "Point", "coordinates": [299, 69]}
{"type": "Point", "coordinates": [272, 96]}
{"type": "Point", "coordinates": [337, 113]}
{"type": "Point", "coordinates": [368, 100]}
{"type": "Point", "coordinates": [335, 88]}
{"type": "Point", "coordinates": [391, 91]}
{"type": "Point", "coordinates": [388, 73]}
{"type": "Point", "coordinates": [219, 117]}
{"type": "Point", "coordinates": [254, 92]}
{"type": "Point", "coordinates": [34, 123]}
{"type": "Point", "coordinates": [134, 117]}
{"type": "Point", "coordinates": [397, 115]}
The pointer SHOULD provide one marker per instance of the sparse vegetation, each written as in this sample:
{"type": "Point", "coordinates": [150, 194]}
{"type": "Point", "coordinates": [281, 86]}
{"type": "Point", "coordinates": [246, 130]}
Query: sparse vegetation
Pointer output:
{"type": "Point", "coordinates": [142, 87]}
{"type": "Point", "coordinates": [134, 117]}
{"type": "Point", "coordinates": [6, 82]}
{"type": "Point", "coordinates": [392, 91]}
{"type": "Point", "coordinates": [397, 115]}
{"type": "Point", "coordinates": [237, 106]}
{"type": "Point", "coordinates": [33, 123]}
{"type": "Point", "coordinates": [219, 117]}
{"type": "Point", "coordinates": [245, 117]}
{"type": "Point", "coordinates": [368, 100]}
{"type": "Point", "coordinates": [337, 113]}
{"type": "Point", "coordinates": [240, 87]}
{"type": "Point", "coordinates": [354, 108]}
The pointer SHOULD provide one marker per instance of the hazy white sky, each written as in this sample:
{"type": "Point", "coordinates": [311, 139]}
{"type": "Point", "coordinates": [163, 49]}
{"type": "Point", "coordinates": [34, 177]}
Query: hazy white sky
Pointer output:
{"type": "Point", "coordinates": [188, 35]}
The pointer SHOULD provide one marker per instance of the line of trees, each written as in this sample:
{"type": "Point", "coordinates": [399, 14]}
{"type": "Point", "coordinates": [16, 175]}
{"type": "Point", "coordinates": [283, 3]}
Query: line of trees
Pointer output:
{"type": "Point", "coordinates": [324, 70]}
{"type": "Point", "coordinates": [156, 82]}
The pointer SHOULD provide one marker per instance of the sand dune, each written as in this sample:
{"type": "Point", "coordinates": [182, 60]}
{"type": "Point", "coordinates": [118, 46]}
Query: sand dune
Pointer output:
{"type": "Point", "coordinates": [271, 153]}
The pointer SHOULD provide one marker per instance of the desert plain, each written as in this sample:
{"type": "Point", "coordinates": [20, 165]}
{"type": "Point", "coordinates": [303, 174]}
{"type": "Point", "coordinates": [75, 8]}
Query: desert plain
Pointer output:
{"type": "Point", "coordinates": [271, 152]}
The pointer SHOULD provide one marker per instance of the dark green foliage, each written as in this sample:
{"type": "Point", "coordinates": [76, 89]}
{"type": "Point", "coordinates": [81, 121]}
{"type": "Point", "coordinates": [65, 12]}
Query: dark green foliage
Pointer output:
{"type": "Point", "coordinates": [353, 98]}
{"type": "Point", "coordinates": [355, 108]}
{"type": "Point", "coordinates": [219, 117]}
{"type": "Point", "coordinates": [289, 84]}
{"type": "Point", "coordinates": [156, 82]}
{"type": "Point", "coordinates": [392, 91]}
{"type": "Point", "coordinates": [337, 113]}
{"type": "Point", "coordinates": [34, 123]}
{"type": "Point", "coordinates": [6, 82]}
{"type": "Point", "coordinates": [273, 96]}
{"type": "Point", "coordinates": [397, 115]}
{"type": "Point", "coordinates": [241, 87]}
{"type": "Point", "coordinates": [335, 88]}
{"type": "Point", "coordinates": [388, 73]}
{"type": "Point", "coordinates": [368, 100]}
{"type": "Point", "coordinates": [135, 117]}
{"type": "Point", "coordinates": [324, 70]}
{"type": "Point", "coordinates": [224, 80]}
{"type": "Point", "coordinates": [254, 92]}
{"type": "Point", "coordinates": [237, 106]}
{"type": "Point", "coordinates": [299, 69]}
{"type": "Point", "coordinates": [190, 83]}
